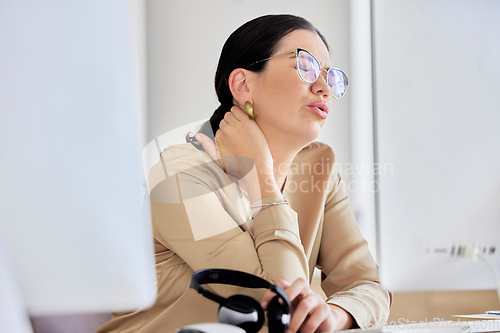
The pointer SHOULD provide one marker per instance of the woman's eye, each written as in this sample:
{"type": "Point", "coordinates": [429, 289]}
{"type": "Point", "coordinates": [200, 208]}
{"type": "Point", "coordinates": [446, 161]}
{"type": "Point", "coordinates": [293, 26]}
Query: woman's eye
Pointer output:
{"type": "Point", "coordinates": [306, 66]}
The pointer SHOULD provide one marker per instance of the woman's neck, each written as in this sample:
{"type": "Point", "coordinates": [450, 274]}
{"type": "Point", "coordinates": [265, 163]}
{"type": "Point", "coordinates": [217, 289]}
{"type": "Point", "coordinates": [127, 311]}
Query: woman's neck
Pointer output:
{"type": "Point", "coordinates": [283, 156]}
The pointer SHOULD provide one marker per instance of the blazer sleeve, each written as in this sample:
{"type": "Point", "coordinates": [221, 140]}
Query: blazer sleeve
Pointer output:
{"type": "Point", "coordinates": [349, 273]}
{"type": "Point", "coordinates": [190, 218]}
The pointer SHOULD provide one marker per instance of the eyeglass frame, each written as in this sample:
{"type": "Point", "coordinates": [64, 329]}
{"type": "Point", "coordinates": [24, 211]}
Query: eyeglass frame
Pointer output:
{"type": "Point", "coordinates": [297, 50]}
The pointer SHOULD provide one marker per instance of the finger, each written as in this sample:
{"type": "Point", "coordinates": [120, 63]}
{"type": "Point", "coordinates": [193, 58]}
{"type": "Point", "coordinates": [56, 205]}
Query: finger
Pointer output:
{"type": "Point", "coordinates": [238, 113]}
{"type": "Point", "coordinates": [283, 283]}
{"type": "Point", "coordinates": [305, 308]}
{"type": "Point", "coordinates": [208, 146]}
{"type": "Point", "coordinates": [299, 287]}
{"type": "Point", "coordinates": [229, 117]}
{"type": "Point", "coordinates": [268, 296]}
{"type": "Point", "coordinates": [223, 123]}
{"type": "Point", "coordinates": [318, 317]}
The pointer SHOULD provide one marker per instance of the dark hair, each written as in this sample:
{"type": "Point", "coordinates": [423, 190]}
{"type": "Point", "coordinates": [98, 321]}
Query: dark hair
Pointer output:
{"type": "Point", "coordinates": [255, 40]}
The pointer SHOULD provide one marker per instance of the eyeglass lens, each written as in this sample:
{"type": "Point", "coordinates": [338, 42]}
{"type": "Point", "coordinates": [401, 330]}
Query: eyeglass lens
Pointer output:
{"type": "Point", "coordinates": [309, 71]}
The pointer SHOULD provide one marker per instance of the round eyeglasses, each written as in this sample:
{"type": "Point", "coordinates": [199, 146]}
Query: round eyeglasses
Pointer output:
{"type": "Point", "coordinates": [309, 70]}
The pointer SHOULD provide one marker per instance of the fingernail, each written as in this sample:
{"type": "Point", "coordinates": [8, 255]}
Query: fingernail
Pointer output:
{"type": "Point", "coordinates": [198, 137]}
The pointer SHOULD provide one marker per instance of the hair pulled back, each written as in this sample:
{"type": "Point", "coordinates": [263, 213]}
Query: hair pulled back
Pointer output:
{"type": "Point", "coordinates": [255, 40]}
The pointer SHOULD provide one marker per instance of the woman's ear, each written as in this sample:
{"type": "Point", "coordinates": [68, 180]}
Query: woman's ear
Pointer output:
{"type": "Point", "coordinates": [239, 84]}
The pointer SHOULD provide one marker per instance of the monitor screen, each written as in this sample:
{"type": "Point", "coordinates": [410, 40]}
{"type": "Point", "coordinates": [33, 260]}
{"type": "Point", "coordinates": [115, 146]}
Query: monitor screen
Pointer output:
{"type": "Point", "coordinates": [437, 121]}
{"type": "Point", "coordinates": [74, 219]}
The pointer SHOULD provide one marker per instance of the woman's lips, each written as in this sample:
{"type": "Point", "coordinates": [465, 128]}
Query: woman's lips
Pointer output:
{"type": "Point", "coordinates": [320, 108]}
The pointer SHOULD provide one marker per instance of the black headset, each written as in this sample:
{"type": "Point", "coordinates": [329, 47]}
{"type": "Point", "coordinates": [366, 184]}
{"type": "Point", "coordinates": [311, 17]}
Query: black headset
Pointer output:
{"type": "Point", "coordinates": [241, 310]}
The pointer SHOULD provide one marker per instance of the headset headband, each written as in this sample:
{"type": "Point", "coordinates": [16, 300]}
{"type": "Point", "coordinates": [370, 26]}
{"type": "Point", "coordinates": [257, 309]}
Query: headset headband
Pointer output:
{"type": "Point", "coordinates": [235, 278]}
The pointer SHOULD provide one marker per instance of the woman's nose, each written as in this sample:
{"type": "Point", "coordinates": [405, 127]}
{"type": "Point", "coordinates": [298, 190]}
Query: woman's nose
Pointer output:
{"type": "Point", "coordinates": [320, 86]}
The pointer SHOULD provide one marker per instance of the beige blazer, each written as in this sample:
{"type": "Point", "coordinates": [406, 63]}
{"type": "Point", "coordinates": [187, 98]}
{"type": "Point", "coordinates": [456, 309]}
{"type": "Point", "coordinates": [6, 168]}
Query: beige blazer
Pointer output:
{"type": "Point", "coordinates": [203, 220]}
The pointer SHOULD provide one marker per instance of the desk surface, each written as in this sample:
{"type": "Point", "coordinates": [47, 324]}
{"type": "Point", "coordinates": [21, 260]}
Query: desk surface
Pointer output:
{"type": "Point", "coordinates": [439, 326]}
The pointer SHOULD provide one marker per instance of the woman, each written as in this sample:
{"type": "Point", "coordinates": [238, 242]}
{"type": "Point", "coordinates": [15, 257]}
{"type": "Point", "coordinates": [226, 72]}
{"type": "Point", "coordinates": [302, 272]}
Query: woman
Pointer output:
{"type": "Point", "coordinates": [263, 198]}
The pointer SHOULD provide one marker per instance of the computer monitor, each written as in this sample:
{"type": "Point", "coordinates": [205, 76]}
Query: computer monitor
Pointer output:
{"type": "Point", "coordinates": [437, 121]}
{"type": "Point", "coordinates": [74, 214]}
{"type": "Point", "coordinates": [13, 315]}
